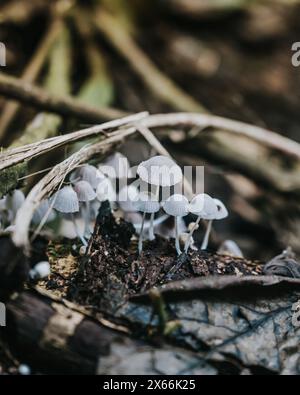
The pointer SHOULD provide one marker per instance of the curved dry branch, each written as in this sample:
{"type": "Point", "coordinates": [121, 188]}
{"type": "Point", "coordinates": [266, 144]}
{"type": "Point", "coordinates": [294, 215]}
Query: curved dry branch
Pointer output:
{"type": "Point", "coordinates": [16, 89]}
{"type": "Point", "coordinates": [52, 180]}
{"type": "Point", "coordinates": [261, 135]}
{"type": "Point", "coordinates": [20, 154]}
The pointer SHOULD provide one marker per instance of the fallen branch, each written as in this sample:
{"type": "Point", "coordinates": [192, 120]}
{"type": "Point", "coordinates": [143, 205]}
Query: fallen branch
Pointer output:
{"type": "Point", "coordinates": [264, 136]}
{"type": "Point", "coordinates": [29, 94]}
{"type": "Point", "coordinates": [61, 339]}
{"type": "Point", "coordinates": [20, 154]}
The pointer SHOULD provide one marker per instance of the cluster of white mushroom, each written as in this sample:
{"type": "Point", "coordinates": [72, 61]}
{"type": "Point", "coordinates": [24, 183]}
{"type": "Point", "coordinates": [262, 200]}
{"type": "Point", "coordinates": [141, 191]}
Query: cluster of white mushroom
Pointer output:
{"type": "Point", "coordinates": [88, 188]}
{"type": "Point", "coordinates": [162, 172]}
{"type": "Point", "coordinates": [78, 202]}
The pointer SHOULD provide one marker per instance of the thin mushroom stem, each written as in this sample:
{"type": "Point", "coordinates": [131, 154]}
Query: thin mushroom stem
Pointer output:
{"type": "Point", "coordinates": [177, 243]}
{"type": "Point", "coordinates": [141, 234]}
{"type": "Point", "coordinates": [86, 215]}
{"type": "Point", "coordinates": [188, 240]}
{"type": "Point", "coordinates": [77, 231]}
{"type": "Point", "coordinates": [207, 234]}
{"type": "Point", "coordinates": [151, 229]}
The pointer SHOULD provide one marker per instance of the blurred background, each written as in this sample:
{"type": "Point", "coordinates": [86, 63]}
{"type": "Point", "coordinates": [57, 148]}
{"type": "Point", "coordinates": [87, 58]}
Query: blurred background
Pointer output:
{"type": "Point", "coordinates": [231, 58]}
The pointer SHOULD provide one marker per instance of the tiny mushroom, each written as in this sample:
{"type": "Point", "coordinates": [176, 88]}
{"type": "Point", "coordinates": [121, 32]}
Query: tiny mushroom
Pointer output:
{"type": "Point", "coordinates": [87, 173]}
{"type": "Point", "coordinates": [40, 270]}
{"type": "Point", "coordinates": [221, 213]}
{"type": "Point", "coordinates": [14, 201]}
{"type": "Point", "coordinates": [66, 201]}
{"type": "Point", "coordinates": [105, 191]}
{"type": "Point", "coordinates": [204, 207]}
{"type": "Point", "coordinates": [127, 198]}
{"type": "Point", "coordinates": [43, 212]}
{"type": "Point", "coordinates": [85, 194]}
{"type": "Point", "coordinates": [159, 171]}
{"type": "Point", "coordinates": [147, 204]}
{"type": "Point", "coordinates": [119, 164]}
{"type": "Point", "coordinates": [230, 247]}
{"type": "Point", "coordinates": [24, 370]}
{"type": "Point", "coordinates": [177, 206]}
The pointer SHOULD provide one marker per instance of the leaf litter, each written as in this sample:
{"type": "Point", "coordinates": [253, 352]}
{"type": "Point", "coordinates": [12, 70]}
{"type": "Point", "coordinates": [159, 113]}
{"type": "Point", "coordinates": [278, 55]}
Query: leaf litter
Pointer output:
{"type": "Point", "coordinates": [221, 314]}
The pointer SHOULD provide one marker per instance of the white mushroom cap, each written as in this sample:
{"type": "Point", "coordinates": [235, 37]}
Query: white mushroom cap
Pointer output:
{"type": "Point", "coordinates": [177, 205]}
{"type": "Point", "coordinates": [87, 173]}
{"type": "Point", "coordinates": [66, 200]}
{"type": "Point", "coordinates": [14, 201]}
{"type": "Point", "coordinates": [119, 164]}
{"type": "Point", "coordinates": [204, 206]}
{"type": "Point", "coordinates": [85, 191]}
{"type": "Point", "coordinates": [40, 270]}
{"type": "Point", "coordinates": [230, 247]}
{"type": "Point", "coordinates": [160, 171]}
{"type": "Point", "coordinates": [105, 191]}
{"type": "Point", "coordinates": [41, 211]}
{"type": "Point", "coordinates": [222, 210]}
{"type": "Point", "coordinates": [127, 198]}
{"type": "Point", "coordinates": [147, 203]}
{"type": "Point", "coordinates": [24, 370]}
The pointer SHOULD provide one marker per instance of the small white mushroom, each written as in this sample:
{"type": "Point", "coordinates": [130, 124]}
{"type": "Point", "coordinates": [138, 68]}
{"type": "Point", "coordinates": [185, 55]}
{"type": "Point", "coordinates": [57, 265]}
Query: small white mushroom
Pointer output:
{"type": "Point", "coordinates": [13, 202]}
{"type": "Point", "coordinates": [116, 165]}
{"type": "Point", "coordinates": [85, 191]}
{"type": "Point", "coordinates": [40, 270]}
{"type": "Point", "coordinates": [127, 198]}
{"type": "Point", "coordinates": [85, 194]}
{"type": "Point", "coordinates": [87, 173]}
{"type": "Point", "coordinates": [66, 201]}
{"type": "Point", "coordinates": [230, 247]}
{"type": "Point", "coordinates": [177, 206]}
{"type": "Point", "coordinates": [43, 210]}
{"type": "Point", "coordinates": [221, 213]}
{"type": "Point", "coordinates": [70, 231]}
{"type": "Point", "coordinates": [204, 207]}
{"type": "Point", "coordinates": [105, 191]}
{"type": "Point", "coordinates": [147, 204]}
{"type": "Point", "coordinates": [159, 171]}
{"type": "Point", "coordinates": [24, 370]}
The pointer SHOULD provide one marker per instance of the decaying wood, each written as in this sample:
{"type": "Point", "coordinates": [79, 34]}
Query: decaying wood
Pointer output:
{"type": "Point", "coordinates": [50, 334]}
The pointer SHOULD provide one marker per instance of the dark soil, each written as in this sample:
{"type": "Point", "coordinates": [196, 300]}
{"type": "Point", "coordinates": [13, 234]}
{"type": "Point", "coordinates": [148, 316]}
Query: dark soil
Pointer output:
{"type": "Point", "coordinates": [112, 271]}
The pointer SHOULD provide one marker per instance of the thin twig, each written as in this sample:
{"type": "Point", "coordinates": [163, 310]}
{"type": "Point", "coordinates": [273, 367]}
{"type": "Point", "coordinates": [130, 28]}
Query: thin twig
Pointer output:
{"type": "Point", "coordinates": [264, 136]}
